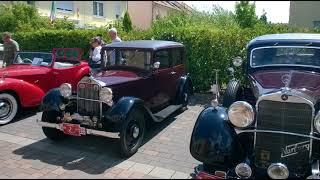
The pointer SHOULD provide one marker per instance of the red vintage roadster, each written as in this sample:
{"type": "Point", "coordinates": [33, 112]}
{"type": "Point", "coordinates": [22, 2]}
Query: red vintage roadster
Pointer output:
{"type": "Point", "coordinates": [24, 83]}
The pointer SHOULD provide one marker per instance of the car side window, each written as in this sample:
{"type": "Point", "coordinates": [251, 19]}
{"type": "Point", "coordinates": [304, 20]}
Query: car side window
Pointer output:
{"type": "Point", "coordinates": [163, 57]}
{"type": "Point", "coordinates": [176, 56]}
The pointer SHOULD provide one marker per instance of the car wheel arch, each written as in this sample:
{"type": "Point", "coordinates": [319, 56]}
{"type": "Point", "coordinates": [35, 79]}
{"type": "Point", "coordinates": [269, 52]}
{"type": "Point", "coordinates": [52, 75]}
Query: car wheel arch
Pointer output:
{"type": "Point", "coordinates": [14, 94]}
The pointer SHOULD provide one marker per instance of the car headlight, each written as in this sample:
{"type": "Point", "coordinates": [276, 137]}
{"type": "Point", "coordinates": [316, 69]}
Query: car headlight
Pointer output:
{"type": "Point", "coordinates": [65, 90]}
{"type": "Point", "coordinates": [278, 171]}
{"type": "Point", "coordinates": [106, 95]}
{"type": "Point", "coordinates": [241, 114]}
{"type": "Point", "coordinates": [317, 122]}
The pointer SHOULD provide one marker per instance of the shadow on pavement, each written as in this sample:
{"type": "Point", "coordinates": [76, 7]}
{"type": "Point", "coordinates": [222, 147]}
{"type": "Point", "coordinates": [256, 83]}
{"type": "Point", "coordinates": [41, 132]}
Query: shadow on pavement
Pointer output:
{"type": "Point", "coordinates": [89, 154]}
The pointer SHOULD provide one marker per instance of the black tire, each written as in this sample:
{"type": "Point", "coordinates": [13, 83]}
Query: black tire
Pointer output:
{"type": "Point", "coordinates": [51, 133]}
{"type": "Point", "coordinates": [184, 97]}
{"type": "Point", "coordinates": [232, 94]}
{"type": "Point", "coordinates": [129, 144]}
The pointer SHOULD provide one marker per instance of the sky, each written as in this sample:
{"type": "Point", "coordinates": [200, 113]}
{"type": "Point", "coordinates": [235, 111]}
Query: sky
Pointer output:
{"type": "Point", "coordinates": [277, 11]}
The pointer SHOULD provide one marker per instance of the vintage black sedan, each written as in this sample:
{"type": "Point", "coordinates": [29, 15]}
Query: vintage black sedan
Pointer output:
{"type": "Point", "coordinates": [269, 125]}
{"type": "Point", "coordinates": [139, 82]}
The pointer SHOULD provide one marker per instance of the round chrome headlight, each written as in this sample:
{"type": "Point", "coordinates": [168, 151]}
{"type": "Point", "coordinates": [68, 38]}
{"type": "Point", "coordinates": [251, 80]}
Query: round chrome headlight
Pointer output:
{"type": "Point", "coordinates": [317, 122]}
{"type": "Point", "coordinates": [106, 95]}
{"type": "Point", "coordinates": [241, 114]}
{"type": "Point", "coordinates": [65, 90]}
{"type": "Point", "coordinates": [278, 171]}
{"type": "Point", "coordinates": [243, 170]}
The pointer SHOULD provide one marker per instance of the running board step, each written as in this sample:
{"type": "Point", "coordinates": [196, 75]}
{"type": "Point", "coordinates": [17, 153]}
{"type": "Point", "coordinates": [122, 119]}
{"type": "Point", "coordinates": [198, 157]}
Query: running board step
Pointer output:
{"type": "Point", "coordinates": [161, 115]}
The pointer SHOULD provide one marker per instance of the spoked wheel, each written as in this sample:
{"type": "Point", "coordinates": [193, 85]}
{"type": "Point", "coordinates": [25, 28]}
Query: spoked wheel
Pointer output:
{"type": "Point", "coordinates": [8, 108]}
{"type": "Point", "coordinates": [132, 133]}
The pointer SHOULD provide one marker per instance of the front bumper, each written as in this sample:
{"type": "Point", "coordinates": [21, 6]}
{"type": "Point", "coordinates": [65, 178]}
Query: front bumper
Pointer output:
{"type": "Point", "coordinates": [84, 131]}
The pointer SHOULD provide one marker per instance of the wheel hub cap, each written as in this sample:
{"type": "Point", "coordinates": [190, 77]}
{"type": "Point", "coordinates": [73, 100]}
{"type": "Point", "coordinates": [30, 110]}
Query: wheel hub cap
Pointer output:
{"type": "Point", "coordinates": [4, 108]}
{"type": "Point", "coordinates": [135, 132]}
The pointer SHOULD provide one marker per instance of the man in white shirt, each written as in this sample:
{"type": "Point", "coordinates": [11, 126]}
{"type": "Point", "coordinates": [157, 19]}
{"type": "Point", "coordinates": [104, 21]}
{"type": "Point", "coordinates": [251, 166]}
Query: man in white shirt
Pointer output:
{"type": "Point", "coordinates": [114, 38]}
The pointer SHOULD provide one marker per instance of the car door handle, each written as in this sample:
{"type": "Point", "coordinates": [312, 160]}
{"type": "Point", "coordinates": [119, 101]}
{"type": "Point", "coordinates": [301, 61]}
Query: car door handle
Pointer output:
{"type": "Point", "coordinates": [173, 73]}
{"type": "Point", "coordinates": [36, 81]}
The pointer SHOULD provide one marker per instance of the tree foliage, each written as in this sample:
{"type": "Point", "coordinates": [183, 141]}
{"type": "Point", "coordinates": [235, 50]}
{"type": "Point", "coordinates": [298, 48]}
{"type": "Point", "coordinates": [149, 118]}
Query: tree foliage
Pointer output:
{"type": "Point", "coordinates": [246, 14]}
{"type": "Point", "coordinates": [263, 17]}
{"type": "Point", "coordinates": [23, 17]}
{"type": "Point", "coordinates": [127, 24]}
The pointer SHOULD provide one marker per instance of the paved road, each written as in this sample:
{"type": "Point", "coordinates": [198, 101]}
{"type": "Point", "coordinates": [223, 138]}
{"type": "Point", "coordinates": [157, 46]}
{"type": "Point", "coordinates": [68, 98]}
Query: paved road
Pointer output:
{"type": "Point", "coordinates": [27, 153]}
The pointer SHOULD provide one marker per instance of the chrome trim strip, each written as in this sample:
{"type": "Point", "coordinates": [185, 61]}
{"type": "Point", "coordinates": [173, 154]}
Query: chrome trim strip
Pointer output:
{"type": "Point", "coordinates": [279, 132]}
{"type": "Point", "coordinates": [293, 99]}
{"type": "Point", "coordinates": [89, 99]}
{"type": "Point", "coordinates": [88, 131]}
{"type": "Point", "coordinates": [266, 47]}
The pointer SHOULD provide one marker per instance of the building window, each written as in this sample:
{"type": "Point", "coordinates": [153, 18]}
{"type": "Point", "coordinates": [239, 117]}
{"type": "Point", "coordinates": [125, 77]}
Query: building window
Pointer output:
{"type": "Point", "coordinates": [316, 24]}
{"type": "Point", "coordinates": [97, 8]}
{"type": "Point", "coordinates": [65, 6]}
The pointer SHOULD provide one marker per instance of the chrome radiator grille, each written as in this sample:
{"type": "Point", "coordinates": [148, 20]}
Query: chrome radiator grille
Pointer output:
{"type": "Point", "coordinates": [88, 99]}
{"type": "Point", "coordinates": [285, 117]}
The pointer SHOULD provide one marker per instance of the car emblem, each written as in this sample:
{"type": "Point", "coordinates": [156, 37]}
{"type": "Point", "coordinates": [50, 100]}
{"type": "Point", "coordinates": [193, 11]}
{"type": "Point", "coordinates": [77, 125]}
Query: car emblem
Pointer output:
{"type": "Point", "coordinates": [293, 149]}
{"type": "Point", "coordinates": [82, 86]}
{"type": "Point", "coordinates": [286, 78]}
{"type": "Point", "coordinates": [284, 97]}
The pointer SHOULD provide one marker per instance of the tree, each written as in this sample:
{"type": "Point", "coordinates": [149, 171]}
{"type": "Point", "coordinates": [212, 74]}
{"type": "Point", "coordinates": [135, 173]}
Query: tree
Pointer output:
{"type": "Point", "coordinates": [127, 24]}
{"type": "Point", "coordinates": [246, 14]}
{"type": "Point", "coordinates": [263, 17]}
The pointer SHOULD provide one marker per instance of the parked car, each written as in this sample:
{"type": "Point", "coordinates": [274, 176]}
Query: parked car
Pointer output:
{"type": "Point", "coordinates": [269, 125]}
{"type": "Point", "coordinates": [141, 81]}
{"type": "Point", "coordinates": [24, 83]}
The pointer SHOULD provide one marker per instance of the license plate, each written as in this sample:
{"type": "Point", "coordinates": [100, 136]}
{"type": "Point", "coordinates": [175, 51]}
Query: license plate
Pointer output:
{"type": "Point", "coordinates": [73, 129]}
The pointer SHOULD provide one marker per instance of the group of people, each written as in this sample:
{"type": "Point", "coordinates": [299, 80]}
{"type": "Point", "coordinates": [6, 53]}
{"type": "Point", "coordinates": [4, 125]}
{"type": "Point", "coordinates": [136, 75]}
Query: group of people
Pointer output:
{"type": "Point", "coordinates": [95, 58]}
{"type": "Point", "coordinates": [11, 47]}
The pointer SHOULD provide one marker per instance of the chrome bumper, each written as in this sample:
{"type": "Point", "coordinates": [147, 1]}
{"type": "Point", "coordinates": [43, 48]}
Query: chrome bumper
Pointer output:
{"type": "Point", "coordinates": [87, 131]}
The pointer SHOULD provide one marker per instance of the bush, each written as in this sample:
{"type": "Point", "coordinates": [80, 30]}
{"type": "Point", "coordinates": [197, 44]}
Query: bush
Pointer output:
{"type": "Point", "coordinates": [127, 24]}
{"type": "Point", "coordinates": [211, 41]}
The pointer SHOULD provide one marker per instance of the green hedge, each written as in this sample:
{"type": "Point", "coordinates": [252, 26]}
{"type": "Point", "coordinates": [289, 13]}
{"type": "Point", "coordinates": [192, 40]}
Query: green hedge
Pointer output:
{"type": "Point", "coordinates": [208, 48]}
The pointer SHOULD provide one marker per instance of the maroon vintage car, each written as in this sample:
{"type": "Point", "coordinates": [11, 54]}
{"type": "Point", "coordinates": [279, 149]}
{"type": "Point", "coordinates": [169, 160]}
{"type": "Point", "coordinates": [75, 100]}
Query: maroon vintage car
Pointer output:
{"type": "Point", "coordinates": [140, 81]}
{"type": "Point", "coordinates": [268, 126]}
{"type": "Point", "coordinates": [24, 83]}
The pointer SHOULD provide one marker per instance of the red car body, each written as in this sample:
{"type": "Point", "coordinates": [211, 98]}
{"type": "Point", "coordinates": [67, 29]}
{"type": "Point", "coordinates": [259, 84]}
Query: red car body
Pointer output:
{"type": "Point", "coordinates": [29, 83]}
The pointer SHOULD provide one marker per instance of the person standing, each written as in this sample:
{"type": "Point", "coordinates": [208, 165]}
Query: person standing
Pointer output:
{"type": "Point", "coordinates": [114, 35]}
{"type": "Point", "coordinates": [10, 48]}
{"type": "Point", "coordinates": [95, 55]}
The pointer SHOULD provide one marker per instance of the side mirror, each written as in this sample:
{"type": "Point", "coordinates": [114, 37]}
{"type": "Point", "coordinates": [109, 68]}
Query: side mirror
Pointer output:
{"type": "Point", "coordinates": [237, 61]}
{"type": "Point", "coordinates": [156, 65]}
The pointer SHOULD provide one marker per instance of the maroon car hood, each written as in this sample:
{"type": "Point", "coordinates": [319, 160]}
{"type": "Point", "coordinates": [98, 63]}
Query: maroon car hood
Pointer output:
{"type": "Point", "coordinates": [304, 81]}
{"type": "Point", "coordinates": [112, 77]}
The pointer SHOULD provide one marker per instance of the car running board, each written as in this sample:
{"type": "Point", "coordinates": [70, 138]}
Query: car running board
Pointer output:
{"type": "Point", "coordinates": [166, 112]}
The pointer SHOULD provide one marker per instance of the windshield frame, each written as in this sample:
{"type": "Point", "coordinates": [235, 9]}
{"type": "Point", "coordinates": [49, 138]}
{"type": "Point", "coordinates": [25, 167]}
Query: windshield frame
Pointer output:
{"type": "Point", "coordinates": [124, 49]}
{"type": "Point", "coordinates": [49, 65]}
{"type": "Point", "coordinates": [282, 65]}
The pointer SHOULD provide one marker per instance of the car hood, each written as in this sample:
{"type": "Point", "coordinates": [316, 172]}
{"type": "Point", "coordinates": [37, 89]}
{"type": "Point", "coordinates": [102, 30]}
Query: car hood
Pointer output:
{"type": "Point", "coordinates": [22, 70]}
{"type": "Point", "coordinates": [307, 82]}
{"type": "Point", "coordinates": [112, 77]}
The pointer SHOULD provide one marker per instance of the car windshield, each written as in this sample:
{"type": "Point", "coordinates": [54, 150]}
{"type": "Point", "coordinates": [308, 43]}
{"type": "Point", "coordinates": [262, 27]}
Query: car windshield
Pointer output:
{"type": "Point", "coordinates": [33, 58]}
{"type": "Point", "coordinates": [128, 57]}
{"type": "Point", "coordinates": [282, 56]}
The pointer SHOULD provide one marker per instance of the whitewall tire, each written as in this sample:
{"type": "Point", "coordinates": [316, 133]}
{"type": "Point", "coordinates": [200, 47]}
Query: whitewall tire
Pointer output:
{"type": "Point", "coordinates": [8, 108]}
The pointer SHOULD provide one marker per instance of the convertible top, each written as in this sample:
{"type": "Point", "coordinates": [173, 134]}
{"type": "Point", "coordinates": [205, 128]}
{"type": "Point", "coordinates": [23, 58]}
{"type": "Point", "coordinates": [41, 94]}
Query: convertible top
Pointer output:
{"type": "Point", "coordinates": [145, 44]}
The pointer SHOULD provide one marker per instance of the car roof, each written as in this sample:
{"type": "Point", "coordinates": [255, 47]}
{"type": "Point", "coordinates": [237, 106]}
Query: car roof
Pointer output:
{"type": "Point", "coordinates": [286, 38]}
{"type": "Point", "coordinates": [145, 44]}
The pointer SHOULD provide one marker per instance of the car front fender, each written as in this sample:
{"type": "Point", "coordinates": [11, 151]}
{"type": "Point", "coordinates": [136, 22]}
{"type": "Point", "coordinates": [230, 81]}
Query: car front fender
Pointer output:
{"type": "Point", "coordinates": [118, 112]}
{"type": "Point", "coordinates": [214, 141]}
{"type": "Point", "coordinates": [29, 95]}
{"type": "Point", "coordinates": [181, 83]}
